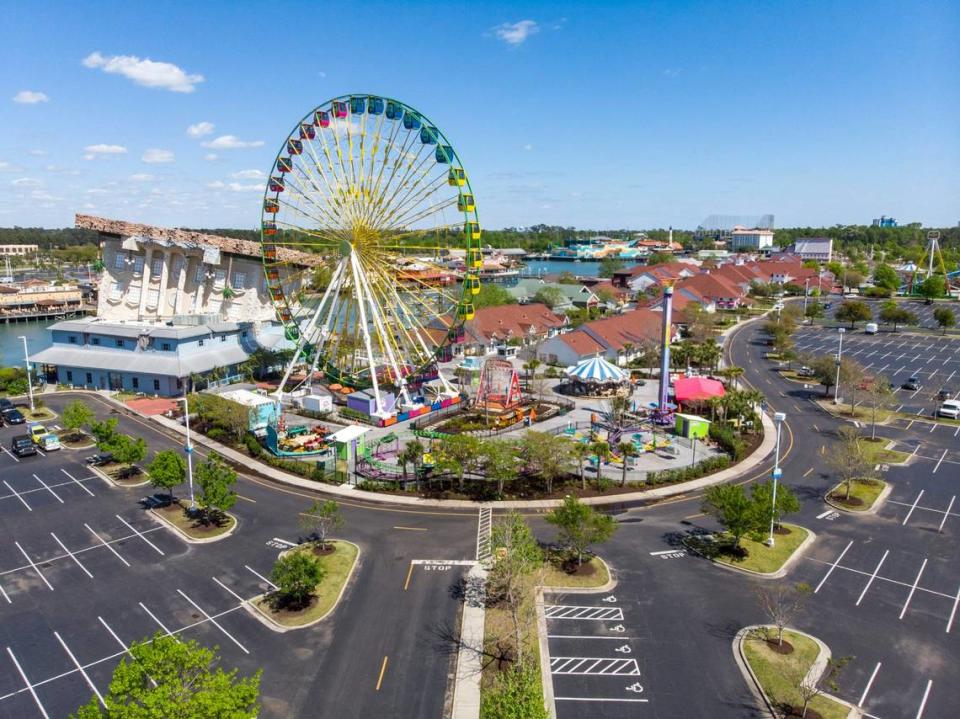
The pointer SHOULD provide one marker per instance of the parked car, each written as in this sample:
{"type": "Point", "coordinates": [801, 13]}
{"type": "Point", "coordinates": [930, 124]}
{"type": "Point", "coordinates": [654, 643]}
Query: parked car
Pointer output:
{"type": "Point", "coordinates": [806, 372]}
{"type": "Point", "coordinates": [912, 384]}
{"type": "Point", "coordinates": [5, 404]}
{"type": "Point", "coordinates": [828, 305]}
{"type": "Point", "coordinates": [23, 446]}
{"type": "Point", "coordinates": [13, 416]}
{"type": "Point", "coordinates": [949, 409]}
{"type": "Point", "coordinates": [49, 442]}
{"type": "Point", "coordinates": [97, 459]}
{"type": "Point", "coordinates": [155, 501]}
{"type": "Point", "coordinates": [871, 328]}
{"type": "Point", "coordinates": [944, 394]}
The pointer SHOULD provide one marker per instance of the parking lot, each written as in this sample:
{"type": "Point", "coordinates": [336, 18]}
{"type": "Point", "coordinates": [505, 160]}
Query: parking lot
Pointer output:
{"type": "Point", "coordinates": [934, 360]}
{"type": "Point", "coordinates": [923, 311]}
{"type": "Point", "coordinates": [595, 664]}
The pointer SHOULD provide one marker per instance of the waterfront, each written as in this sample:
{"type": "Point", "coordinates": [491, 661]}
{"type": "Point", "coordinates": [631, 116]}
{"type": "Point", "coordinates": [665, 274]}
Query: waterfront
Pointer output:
{"type": "Point", "coordinates": [11, 347]}
{"type": "Point", "coordinates": [585, 268]}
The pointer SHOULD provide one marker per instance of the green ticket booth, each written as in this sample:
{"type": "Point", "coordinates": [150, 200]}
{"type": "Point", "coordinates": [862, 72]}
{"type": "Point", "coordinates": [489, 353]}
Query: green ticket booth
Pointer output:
{"type": "Point", "coordinates": [691, 426]}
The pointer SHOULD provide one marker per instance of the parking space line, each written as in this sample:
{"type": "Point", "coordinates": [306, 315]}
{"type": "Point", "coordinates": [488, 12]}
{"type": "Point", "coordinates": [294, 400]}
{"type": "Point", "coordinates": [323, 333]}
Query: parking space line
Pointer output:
{"type": "Point", "coordinates": [15, 459]}
{"type": "Point", "coordinates": [913, 588]}
{"type": "Point", "coordinates": [29, 686]}
{"type": "Point", "coordinates": [34, 566]}
{"type": "Point", "coordinates": [140, 534]}
{"type": "Point", "coordinates": [872, 577]}
{"type": "Point", "coordinates": [17, 495]}
{"type": "Point", "coordinates": [107, 545]}
{"type": "Point", "coordinates": [214, 622]}
{"type": "Point", "coordinates": [598, 699]}
{"type": "Point", "coordinates": [953, 611]}
{"type": "Point", "coordinates": [923, 702]}
{"type": "Point", "coordinates": [574, 666]}
{"type": "Point", "coordinates": [584, 613]}
{"type": "Point", "coordinates": [80, 669]}
{"type": "Point", "coordinates": [47, 487]}
{"type": "Point", "coordinates": [940, 461]}
{"type": "Point", "coordinates": [915, 502]}
{"type": "Point", "coordinates": [154, 618]}
{"type": "Point", "coordinates": [947, 513]}
{"type": "Point", "coordinates": [257, 574]}
{"type": "Point", "coordinates": [71, 555]}
{"type": "Point", "coordinates": [126, 649]}
{"type": "Point", "coordinates": [237, 596]}
{"type": "Point", "coordinates": [81, 484]}
{"type": "Point", "coordinates": [833, 566]}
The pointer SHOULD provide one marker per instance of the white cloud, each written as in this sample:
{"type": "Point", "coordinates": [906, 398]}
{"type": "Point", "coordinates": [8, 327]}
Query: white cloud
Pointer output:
{"type": "Point", "coordinates": [29, 97]}
{"type": "Point", "coordinates": [102, 149]}
{"type": "Point", "coordinates": [516, 33]}
{"type": "Point", "coordinates": [322, 73]}
{"type": "Point", "coordinates": [237, 187]}
{"type": "Point", "coordinates": [155, 156]}
{"type": "Point", "coordinates": [528, 147]}
{"type": "Point", "coordinates": [200, 129]}
{"type": "Point", "coordinates": [96, 191]}
{"type": "Point", "coordinates": [141, 177]}
{"type": "Point", "coordinates": [247, 175]}
{"type": "Point", "coordinates": [26, 182]}
{"type": "Point", "coordinates": [57, 170]}
{"type": "Point", "coordinates": [145, 72]}
{"type": "Point", "coordinates": [216, 185]}
{"type": "Point", "coordinates": [231, 142]}
{"type": "Point", "coordinates": [37, 153]}
{"type": "Point", "coordinates": [672, 71]}
{"type": "Point", "coordinates": [210, 156]}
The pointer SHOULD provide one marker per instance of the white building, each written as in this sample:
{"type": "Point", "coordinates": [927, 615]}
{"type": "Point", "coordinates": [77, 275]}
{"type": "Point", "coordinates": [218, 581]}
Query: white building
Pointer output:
{"type": "Point", "coordinates": [813, 248]}
{"type": "Point", "coordinates": [743, 239]}
{"type": "Point", "coordinates": [18, 249]}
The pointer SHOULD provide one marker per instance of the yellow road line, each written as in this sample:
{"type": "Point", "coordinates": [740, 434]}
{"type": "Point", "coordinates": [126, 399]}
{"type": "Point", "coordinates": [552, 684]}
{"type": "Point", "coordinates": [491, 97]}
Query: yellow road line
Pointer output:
{"type": "Point", "coordinates": [808, 472]}
{"type": "Point", "coordinates": [413, 529]}
{"type": "Point", "coordinates": [694, 516]}
{"type": "Point", "coordinates": [409, 574]}
{"type": "Point", "coordinates": [383, 669]}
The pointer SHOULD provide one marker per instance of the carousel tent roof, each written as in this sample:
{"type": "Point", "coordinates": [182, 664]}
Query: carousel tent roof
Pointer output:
{"type": "Point", "coordinates": [697, 388]}
{"type": "Point", "coordinates": [596, 369]}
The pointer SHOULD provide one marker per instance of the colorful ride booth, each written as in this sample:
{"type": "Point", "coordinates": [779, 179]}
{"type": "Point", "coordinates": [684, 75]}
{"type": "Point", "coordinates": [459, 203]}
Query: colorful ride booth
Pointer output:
{"type": "Point", "coordinates": [696, 390]}
{"type": "Point", "coordinates": [596, 377]}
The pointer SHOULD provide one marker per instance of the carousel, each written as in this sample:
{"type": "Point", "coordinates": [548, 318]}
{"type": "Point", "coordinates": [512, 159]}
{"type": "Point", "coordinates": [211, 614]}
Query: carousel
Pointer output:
{"type": "Point", "coordinates": [596, 377]}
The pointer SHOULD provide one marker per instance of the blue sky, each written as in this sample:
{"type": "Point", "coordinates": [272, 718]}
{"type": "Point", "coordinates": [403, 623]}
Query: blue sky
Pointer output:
{"type": "Point", "coordinates": [599, 115]}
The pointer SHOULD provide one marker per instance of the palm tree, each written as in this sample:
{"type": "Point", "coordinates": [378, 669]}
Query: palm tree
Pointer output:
{"type": "Point", "coordinates": [531, 367]}
{"type": "Point", "coordinates": [709, 353]}
{"type": "Point", "coordinates": [626, 450]}
{"type": "Point", "coordinates": [600, 450]}
{"type": "Point", "coordinates": [715, 404]}
{"type": "Point", "coordinates": [579, 452]}
{"type": "Point", "coordinates": [412, 453]}
{"type": "Point", "coordinates": [734, 373]}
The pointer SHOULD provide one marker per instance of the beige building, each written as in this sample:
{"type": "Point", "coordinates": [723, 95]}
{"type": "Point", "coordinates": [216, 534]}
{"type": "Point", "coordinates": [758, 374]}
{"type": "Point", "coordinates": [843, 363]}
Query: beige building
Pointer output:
{"type": "Point", "coordinates": [18, 250]}
{"type": "Point", "coordinates": [157, 273]}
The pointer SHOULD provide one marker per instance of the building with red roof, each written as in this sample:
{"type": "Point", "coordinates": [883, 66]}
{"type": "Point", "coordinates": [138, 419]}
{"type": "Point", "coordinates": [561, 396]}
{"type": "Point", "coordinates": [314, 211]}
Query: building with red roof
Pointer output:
{"type": "Point", "coordinates": [619, 338]}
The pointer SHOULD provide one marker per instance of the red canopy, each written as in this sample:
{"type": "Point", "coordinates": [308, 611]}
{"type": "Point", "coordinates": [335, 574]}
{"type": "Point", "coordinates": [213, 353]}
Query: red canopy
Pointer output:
{"type": "Point", "coordinates": [697, 388]}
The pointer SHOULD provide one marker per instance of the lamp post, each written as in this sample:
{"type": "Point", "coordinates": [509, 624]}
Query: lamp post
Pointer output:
{"type": "Point", "coordinates": [778, 417]}
{"type": "Point", "coordinates": [806, 291]}
{"type": "Point", "coordinates": [836, 386]}
{"type": "Point", "coordinates": [26, 357]}
{"type": "Point", "coordinates": [189, 447]}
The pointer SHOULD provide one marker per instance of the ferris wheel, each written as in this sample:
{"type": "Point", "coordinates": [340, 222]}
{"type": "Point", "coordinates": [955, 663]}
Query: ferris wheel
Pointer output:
{"type": "Point", "coordinates": [379, 198]}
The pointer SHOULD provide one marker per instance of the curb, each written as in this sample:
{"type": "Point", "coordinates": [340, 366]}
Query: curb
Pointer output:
{"type": "Point", "coordinates": [609, 586]}
{"type": "Point", "coordinates": [113, 483]}
{"type": "Point", "coordinates": [816, 669]}
{"type": "Point", "coordinates": [872, 509]}
{"type": "Point", "coordinates": [781, 572]}
{"type": "Point", "coordinates": [186, 537]}
{"type": "Point", "coordinates": [469, 666]}
{"type": "Point", "coordinates": [275, 626]}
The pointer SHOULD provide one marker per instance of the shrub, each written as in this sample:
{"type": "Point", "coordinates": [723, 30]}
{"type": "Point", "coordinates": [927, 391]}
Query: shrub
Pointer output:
{"type": "Point", "coordinates": [253, 445]}
{"type": "Point", "coordinates": [217, 434]}
{"type": "Point", "coordinates": [726, 438]}
{"type": "Point", "coordinates": [881, 292]}
{"type": "Point", "coordinates": [515, 693]}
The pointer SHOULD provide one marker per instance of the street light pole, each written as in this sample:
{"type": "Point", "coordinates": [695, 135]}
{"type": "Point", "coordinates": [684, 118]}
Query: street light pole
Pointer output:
{"type": "Point", "coordinates": [806, 291]}
{"type": "Point", "coordinates": [778, 417]}
{"type": "Point", "coordinates": [836, 386]}
{"type": "Point", "coordinates": [26, 357]}
{"type": "Point", "coordinates": [189, 448]}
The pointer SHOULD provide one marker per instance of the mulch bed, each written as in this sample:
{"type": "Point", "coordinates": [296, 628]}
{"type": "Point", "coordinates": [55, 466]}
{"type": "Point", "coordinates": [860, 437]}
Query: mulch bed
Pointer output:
{"type": "Point", "coordinates": [798, 712]}
{"type": "Point", "coordinates": [286, 612]}
{"type": "Point", "coordinates": [784, 648]}
{"type": "Point", "coordinates": [570, 568]}
{"type": "Point", "coordinates": [112, 470]}
{"type": "Point", "coordinates": [172, 511]}
{"type": "Point", "coordinates": [324, 551]}
{"type": "Point", "coordinates": [783, 531]}
{"type": "Point", "coordinates": [847, 502]}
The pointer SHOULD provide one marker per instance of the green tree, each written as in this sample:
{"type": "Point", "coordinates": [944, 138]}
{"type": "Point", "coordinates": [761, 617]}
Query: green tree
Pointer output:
{"type": "Point", "coordinates": [854, 311]}
{"type": "Point", "coordinates": [579, 525]}
{"type": "Point", "coordinates": [659, 258]}
{"type": "Point", "coordinates": [579, 451]}
{"type": "Point", "coordinates": [104, 433]}
{"type": "Point", "coordinates": [626, 450]}
{"type": "Point", "coordinates": [885, 276]}
{"type": "Point", "coordinates": [945, 318]}
{"type": "Point", "coordinates": [215, 480]}
{"type": "Point", "coordinates": [879, 393]}
{"type": "Point", "coordinates": [296, 576]}
{"type": "Point", "coordinates": [933, 287]}
{"type": "Point", "coordinates": [609, 265]}
{"type": "Point", "coordinates": [815, 311]}
{"type": "Point", "coordinates": [845, 458]}
{"type": "Point", "coordinates": [787, 503]}
{"type": "Point", "coordinates": [516, 694]}
{"type": "Point", "coordinates": [458, 455]}
{"type": "Point", "coordinates": [174, 678]}
{"type": "Point", "coordinates": [492, 295]}
{"type": "Point", "coordinates": [127, 450]}
{"type": "Point", "coordinates": [76, 416]}
{"type": "Point", "coordinates": [548, 455]}
{"type": "Point", "coordinates": [321, 518]}
{"type": "Point", "coordinates": [893, 314]}
{"type": "Point", "coordinates": [552, 297]}
{"type": "Point", "coordinates": [499, 459]}
{"type": "Point", "coordinates": [412, 453]}
{"type": "Point", "coordinates": [737, 513]}
{"type": "Point", "coordinates": [167, 470]}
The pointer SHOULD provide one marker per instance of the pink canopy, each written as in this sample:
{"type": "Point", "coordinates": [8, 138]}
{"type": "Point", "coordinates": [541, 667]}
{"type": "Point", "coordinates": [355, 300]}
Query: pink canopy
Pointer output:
{"type": "Point", "coordinates": [691, 389]}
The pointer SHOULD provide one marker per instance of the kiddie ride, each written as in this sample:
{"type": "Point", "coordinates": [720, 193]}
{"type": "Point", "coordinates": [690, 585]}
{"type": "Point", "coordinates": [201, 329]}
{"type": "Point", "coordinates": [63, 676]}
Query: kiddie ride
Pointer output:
{"type": "Point", "coordinates": [297, 440]}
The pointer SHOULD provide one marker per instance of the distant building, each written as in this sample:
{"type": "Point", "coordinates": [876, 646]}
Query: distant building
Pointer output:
{"type": "Point", "coordinates": [719, 228]}
{"type": "Point", "coordinates": [884, 221]}
{"type": "Point", "coordinates": [744, 239]}
{"type": "Point", "coordinates": [813, 248]}
{"type": "Point", "coordinates": [619, 339]}
{"type": "Point", "coordinates": [18, 249]}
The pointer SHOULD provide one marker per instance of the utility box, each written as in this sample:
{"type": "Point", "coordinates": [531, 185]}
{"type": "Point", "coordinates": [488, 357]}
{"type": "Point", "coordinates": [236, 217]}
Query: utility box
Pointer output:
{"type": "Point", "coordinates": [317, 403]}
{"type": "Point", "coordinates": [691, 426]}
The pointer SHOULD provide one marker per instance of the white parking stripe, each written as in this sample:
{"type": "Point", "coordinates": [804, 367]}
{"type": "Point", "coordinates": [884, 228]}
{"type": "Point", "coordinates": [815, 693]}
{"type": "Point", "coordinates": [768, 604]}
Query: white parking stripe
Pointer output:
{"type": "Point", "coordinates": [913, 588]}
{"type": "Point", "coordinates": [260, 576]}
{"type": "Point", "coordinates": [947, 513]}
{"type": "Point", "coordinates": [866, 689]}
{"type": "Point", "coordinates": [80, 669]}
{"type": "Point", "coordinates": [5, 595]}
{"type": "Point", "coordinates": [833, 566]}
{"type": "Point", "coordinates": [915, 502]}
{"type": "Point", "coordinates": [872, 577]}
{"type": "Point", "coordinates": [15, 459]}
{"type": "Point", "coordinates": [159, 623]}
{"type": "Point", "coordinates": [214, 622]}
{"type": "Point", "coordinates": [598, 699]}
{"type": "Point", "coordinates": [107, 545]}
{"type": "Point", "coordinates": [81, 484]}
{"type": "Point", "coordinates": [47, 487]}
{"type": "Point", "coordinates": [34, 566]}
{"type": "Point", "coordinates": [28, 684]}
{"type": "Point", "coordinates": [923, 702]}
{"type": "Point", "coordinates": [940, 460]}
{"type": "Point", "coordinates": [113, 634]}
{"type": "Point", "coordinates": [71, 554]}
{"type": "Point", "coordinates": [17, 495]}
{"type": "Point", "coordinates": [140, 534]}
{"type": "Point", "coordinates": [237, 596]}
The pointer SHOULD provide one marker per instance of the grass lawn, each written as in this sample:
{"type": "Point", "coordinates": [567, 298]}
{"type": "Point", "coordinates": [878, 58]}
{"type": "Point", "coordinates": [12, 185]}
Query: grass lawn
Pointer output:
{"type": "Point", "coordinates": [338, 565]}
{"type": "Point", "coordinates": [875, 453]}
{"type": "Point", "coordinates": [775, 672]}
{"type": "Point", "coordinates": [862, 494]}
{"type": "Point", "coordinates": [40, 414]}
{"type": "Point", "coordinates": [177, 515]}
{"type": "Point", "coordinates": [593, 573]}
{"type": "Point", "coordinates": [760, 557]}
{"type": "Point", "coordinates": [498, 637]}
{"type": "Point", "coordinates": [865, 414]}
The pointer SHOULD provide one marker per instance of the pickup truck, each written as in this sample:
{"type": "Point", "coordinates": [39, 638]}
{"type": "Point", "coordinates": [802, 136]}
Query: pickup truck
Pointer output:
{"type": "Point", "coordinates": [22, 446]}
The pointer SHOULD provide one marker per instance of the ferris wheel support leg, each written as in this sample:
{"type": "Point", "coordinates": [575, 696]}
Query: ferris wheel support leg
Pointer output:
{"type": "Point", "coordinates": [365, 331]}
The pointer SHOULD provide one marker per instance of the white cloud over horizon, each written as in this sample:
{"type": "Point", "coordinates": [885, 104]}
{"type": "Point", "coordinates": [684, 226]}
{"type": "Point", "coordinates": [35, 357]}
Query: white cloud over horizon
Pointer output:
{"type": "Point", "coordinates": [155, 156]}
{"type": "Point", "coordinates": [231, 142]}
{"type": "Point", "coordinates": [200, 129]}
{"type": "Point", "coordinates": [102, 150]}
{"type": "Point", "coordinates": [30, 97]}
{"type": "Point", "coordinates": [248, 175]}
{"type": "Point", "coordinates": [516, 33]}
{"type": "Point", "coordinates": [145, 72]}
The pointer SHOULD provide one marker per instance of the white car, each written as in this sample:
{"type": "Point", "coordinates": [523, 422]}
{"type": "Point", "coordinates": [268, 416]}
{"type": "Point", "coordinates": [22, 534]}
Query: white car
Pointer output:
{"type": "Point", "coordinates": [949, 409]}
{"type": "Point", "coordinates": [871, 328]}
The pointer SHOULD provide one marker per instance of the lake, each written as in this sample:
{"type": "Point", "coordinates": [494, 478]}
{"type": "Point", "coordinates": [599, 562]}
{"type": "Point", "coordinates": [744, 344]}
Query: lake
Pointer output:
{"type": "Point", "coordinates": [11, 346]}
{"type": "Point", "coordinates": [586, 268]}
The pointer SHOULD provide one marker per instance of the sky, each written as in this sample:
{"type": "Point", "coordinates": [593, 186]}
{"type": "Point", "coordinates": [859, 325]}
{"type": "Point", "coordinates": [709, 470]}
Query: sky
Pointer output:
{"type": "Point", "coordinates": [594, 115]}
